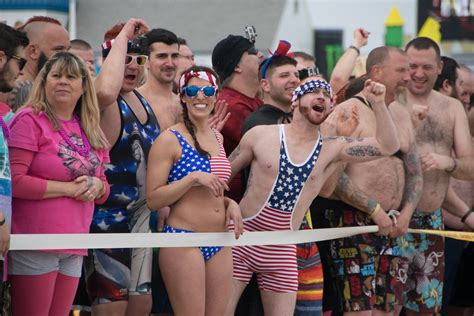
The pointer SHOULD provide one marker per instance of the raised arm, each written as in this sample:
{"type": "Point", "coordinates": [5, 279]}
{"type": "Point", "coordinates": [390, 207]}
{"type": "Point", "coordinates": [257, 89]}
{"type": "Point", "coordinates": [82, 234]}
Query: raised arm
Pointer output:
{"type": "Point", "coordinates": [109, 81]}
{"type": "Point", "coordinates": [346, 63]}
{"type": "Point", "coordinates": [385, 142]}
{"type": "Point", "coordinates": [242, 155]}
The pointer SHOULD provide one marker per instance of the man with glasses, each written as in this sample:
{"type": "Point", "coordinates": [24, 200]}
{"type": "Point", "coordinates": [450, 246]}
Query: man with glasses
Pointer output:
{"type": "Point", "coordinates": [46, 37]}
{"type": "Point", "coordinates": [236, 61]}
{"type": "Point", "coordinates": [12, 45]}
{"type": "Point", "coordinates": [130, 126]}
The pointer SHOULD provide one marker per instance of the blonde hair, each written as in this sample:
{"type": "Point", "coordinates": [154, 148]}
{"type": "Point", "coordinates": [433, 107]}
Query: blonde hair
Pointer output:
{"type": "Point", "coordinates": [87, 107]}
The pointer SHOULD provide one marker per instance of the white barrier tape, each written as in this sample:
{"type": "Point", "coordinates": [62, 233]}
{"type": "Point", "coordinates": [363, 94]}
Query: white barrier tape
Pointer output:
{"type": "Point", "coordinates": [162, 240]}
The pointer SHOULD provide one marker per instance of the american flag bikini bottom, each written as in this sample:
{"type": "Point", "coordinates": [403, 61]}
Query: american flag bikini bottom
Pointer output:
{"type": "Point", "coordinates": [275, 265]}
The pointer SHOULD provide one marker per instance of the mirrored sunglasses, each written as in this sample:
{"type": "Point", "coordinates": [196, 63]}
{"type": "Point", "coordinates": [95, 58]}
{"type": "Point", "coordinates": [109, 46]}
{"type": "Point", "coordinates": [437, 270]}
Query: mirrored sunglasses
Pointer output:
{"type": "Point", "coordinates": [139, 59]}
{"type": "Point", "coordinates": [192, 91]}
{"type": "Point", "coordinates": [21, 61]}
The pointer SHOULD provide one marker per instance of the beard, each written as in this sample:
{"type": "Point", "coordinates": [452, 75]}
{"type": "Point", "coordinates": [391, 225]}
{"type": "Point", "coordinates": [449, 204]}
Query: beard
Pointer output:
{"type": "Point", "coordinates": [306, 113]}
{"type": "Point", "coordinates": [5, 85]}
{"type": "Point", "coordinates": [42, 59]}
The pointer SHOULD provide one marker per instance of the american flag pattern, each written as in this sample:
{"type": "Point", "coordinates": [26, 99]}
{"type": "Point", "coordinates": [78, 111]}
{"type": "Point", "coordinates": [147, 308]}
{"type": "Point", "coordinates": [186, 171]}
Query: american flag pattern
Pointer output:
{"type": "Point", "coordinates": [191, 161]}
{"type": "Point", "coordinates": [276, 265]}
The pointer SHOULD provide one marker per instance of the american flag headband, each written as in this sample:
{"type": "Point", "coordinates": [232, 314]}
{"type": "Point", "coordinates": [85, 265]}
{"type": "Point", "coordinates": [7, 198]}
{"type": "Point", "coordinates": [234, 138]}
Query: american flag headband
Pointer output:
{"type": "Point", "coordinates": [311, 86]}
{"type": "Point", "coordinates": [183, 81]}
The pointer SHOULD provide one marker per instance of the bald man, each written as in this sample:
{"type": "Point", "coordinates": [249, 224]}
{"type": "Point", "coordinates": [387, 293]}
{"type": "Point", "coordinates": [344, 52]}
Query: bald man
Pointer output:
{"type": "Point", "coordinates": [47, 36]}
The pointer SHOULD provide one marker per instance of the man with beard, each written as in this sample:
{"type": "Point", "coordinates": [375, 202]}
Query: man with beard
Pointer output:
{"type": "Point", "coordinates": [236, 61]}
{"type": "Point", "coordinates": [12, 45]}
{"type": "Point", "coordinates": [391, 182]}
{"type": "Point", "coordinates": [119, 280]}
{"type": "Point", "coordinates": [163, 61]}
{"type": "Point", "coordinates": [442, 129]}
{"type": "Point", "coordinates": [449, 81]}
{"type": "Point", "coordinates": [47, 36]}
{"type": "Point", "coordinates": [283, 159]}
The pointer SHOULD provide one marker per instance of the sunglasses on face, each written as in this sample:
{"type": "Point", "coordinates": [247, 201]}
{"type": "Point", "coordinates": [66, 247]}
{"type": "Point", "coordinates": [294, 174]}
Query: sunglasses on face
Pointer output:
{"type": "Point", "coordinates": [252, 51]}
{"type": "Point", "coordinates": [192, 91]}
{"type": "Point", "coordinates": [21, 61]}
{"type": "Point", "coordinates": [139, 59]}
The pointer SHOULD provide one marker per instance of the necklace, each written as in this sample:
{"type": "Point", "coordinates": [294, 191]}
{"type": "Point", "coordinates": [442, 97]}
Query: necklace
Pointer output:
{"type": "Point", "coordinates": [83, 151]}
{"type": "Point", "coordinates": [6, 130]}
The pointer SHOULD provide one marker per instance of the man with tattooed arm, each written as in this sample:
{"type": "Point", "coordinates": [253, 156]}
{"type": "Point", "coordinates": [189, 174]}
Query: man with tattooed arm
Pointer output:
{"type": "Point", "coordinates": [284, 158]}
{"type": "Point", "coordinates": [393, 183]}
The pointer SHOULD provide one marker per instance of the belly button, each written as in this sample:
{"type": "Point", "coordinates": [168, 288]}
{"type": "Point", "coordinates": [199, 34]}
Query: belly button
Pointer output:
{"type": "Point", "coordinates": [216, 210]}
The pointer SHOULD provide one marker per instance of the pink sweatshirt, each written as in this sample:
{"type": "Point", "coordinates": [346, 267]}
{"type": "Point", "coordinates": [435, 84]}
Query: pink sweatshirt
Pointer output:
{"type": "Point", "coordinates": [37, 154]}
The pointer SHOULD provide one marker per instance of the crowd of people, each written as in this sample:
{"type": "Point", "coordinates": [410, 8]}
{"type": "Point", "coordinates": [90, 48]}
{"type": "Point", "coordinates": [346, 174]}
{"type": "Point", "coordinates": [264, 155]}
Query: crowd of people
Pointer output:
{"type": "Point", "coordinates": [155, 143]}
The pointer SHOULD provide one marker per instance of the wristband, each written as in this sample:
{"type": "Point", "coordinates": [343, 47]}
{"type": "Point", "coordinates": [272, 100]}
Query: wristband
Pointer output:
{"type": "Point", "coordinates": [454, 167]}
{"type": "Point", "coordinates": [376, 211]}
{"type": "Point", "coordinates": [356, 49]}
{"type": "Point", "coordinates": [463, 219]}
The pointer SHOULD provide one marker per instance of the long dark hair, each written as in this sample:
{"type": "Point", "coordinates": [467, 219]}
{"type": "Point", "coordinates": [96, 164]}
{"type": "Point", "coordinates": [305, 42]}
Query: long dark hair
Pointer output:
{"type": "Point", "coordinates": [187, 122]}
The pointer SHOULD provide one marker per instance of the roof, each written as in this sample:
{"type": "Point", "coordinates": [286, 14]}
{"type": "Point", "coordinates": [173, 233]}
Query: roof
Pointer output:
{"type": "Point", "coordinates": [201, 23]}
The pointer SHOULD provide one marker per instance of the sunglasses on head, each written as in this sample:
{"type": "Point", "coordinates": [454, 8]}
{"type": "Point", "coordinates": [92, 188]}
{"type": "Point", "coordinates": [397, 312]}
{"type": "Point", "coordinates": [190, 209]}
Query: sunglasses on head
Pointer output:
{"type": "Point", "coordinates": [139, 59]}
{"type": "Point", "coordinates": [192, 91]}
{"type": "Point", "coordinates": [252, 51]}
{"type": "Point", "coordinates": [21, 61]}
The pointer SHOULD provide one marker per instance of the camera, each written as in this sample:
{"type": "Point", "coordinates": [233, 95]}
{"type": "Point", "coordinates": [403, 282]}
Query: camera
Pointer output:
{"type": "Point", "coordinates": [308, 72]}
{"type": "Point", "coordinates": [138, 45]}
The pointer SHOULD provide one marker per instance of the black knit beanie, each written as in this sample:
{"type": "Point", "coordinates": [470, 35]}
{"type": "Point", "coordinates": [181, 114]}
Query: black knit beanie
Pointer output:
{"type": "Point", "coordinates": [227, 53]}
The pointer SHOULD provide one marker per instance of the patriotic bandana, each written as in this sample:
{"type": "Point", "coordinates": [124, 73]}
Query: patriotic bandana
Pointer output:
{"type": "Point", "coordinates": [311, 86]}
{"type": "Point", "coordinates": [282, 50]}
{"type": "Point", "coordinates": [183, 81]}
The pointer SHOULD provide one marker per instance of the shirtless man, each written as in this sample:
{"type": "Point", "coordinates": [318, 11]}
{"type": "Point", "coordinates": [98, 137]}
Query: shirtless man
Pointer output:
{"type": "Point", "coordinates": [163, 58]}
{"type": "Point", "coordinates": [394, 182]}
{"type": "Point", "coordinates": [442, 129]}
{"type": "Point", "coordinates": [283, 158]}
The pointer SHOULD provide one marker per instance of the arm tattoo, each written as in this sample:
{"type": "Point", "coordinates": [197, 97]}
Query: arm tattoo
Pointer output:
{"type": "Point", "coordinates": [363, 151]}
{"type": "Point", "coordinates": [249, 183]}
{"type": "Point", "coordinates": [234, 154]}
{"type": "Point", "coordinates": [349, 193]}
{"type": "Point", "coordinates": [413, 177]}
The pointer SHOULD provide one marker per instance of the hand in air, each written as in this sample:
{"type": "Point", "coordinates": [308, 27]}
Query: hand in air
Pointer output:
{"type": "Point", "coordinates": [374, 92]}
{"type": "Point", "coordinates": [220, 116]}
{"type": "Point", "coordinates": [134, 27]}
{"type": "Point", "coordinates": [360, 37]}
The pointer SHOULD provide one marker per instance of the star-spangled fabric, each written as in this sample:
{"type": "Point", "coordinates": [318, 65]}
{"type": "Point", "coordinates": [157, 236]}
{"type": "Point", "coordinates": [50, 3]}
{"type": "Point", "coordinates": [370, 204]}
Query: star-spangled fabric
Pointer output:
{"type": "Point", "coordinates": [291, 178]}
{"type": "Point", "coordinates": [311, 86]}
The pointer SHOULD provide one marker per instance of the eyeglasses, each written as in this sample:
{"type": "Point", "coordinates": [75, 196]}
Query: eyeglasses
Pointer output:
{"type": "Point", "coordinates": [308, 72]}
{"type": "Point", "coordinates": [139, 59]}
{"type": "Point", "coordinates": [21, 61]}
{"type": "Point", "coordinates": [192, 91]}
{"type": "Point", "coordinates": [252, 51]}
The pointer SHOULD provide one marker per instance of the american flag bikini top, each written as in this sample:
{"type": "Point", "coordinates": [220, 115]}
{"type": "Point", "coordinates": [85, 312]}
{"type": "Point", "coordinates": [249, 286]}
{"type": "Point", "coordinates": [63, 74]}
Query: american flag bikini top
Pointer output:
{"type": "Point", "coordinates": [191, 161]}
{"type": "Point", "coordinates": [291, 177]}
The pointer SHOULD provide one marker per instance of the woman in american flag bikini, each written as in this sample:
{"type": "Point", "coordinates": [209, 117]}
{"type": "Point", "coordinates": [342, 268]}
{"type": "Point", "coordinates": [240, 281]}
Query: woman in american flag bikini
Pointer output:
{"type": "Point", "coordinates": [188, 171]}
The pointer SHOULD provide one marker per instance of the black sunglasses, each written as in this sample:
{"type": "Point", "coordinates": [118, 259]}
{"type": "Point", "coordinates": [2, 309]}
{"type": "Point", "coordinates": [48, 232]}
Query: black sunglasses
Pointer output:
{"type": "Point", "coordinates": [21, 61]}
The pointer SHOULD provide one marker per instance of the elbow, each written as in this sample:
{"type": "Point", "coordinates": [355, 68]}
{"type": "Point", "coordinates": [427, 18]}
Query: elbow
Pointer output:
{"type": "Point", "coordinates": [393, 147]}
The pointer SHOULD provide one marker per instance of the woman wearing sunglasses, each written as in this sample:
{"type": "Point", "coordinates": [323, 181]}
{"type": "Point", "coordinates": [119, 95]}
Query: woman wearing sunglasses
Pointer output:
{"type": "Point", "coordinates": [188, 171]}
